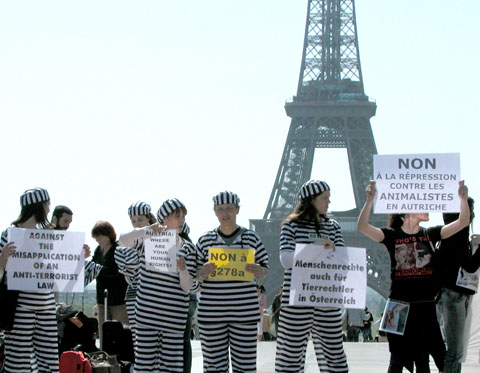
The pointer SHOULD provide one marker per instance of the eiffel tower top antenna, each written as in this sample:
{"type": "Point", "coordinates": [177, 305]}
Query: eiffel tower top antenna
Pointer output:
{"type": "Point", "coordinates": [331, 58]}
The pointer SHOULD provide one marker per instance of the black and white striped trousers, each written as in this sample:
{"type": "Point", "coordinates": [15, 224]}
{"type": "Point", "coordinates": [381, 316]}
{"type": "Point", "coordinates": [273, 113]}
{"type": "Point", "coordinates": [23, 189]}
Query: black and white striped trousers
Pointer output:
{"type": "Point", "coordinates": [32, 344]}
{"type": "Point", "coordinates": [130, 302]}
{"type": "Point", "coordinates": [217, 338]}
{"type": "Point", "coordinates": [158, 351]}
{"type": "Point", "coordinates": [295, 325]}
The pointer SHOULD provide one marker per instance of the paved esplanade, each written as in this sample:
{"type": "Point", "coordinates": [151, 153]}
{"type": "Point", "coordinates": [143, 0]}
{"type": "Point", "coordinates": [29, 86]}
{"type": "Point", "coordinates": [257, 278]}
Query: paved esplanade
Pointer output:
{"type": "Point", "coordinates": [362, 358]}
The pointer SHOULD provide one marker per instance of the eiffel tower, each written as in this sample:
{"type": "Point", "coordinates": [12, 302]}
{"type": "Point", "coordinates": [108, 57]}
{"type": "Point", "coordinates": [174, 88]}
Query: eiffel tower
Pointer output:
{"type": "Point", "coordinates": [330, 110]}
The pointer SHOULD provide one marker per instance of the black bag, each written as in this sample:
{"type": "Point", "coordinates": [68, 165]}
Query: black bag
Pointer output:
{"type": "Point", "coordinates": [8, 300]}
{"type": "Point", "coordinates": [79, 338]}
{"type": "Point", "coordinates": [103, 363]}
{"type": "Point", "coordinates": [117, 338]}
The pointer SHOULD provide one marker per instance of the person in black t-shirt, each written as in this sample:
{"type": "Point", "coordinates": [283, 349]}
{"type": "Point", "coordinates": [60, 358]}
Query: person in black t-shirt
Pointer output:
{"type": "Point", "coordinates": [414, 285]}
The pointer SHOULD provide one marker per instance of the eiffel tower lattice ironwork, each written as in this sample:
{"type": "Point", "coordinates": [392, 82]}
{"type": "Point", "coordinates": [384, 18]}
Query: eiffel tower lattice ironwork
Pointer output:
{"type": "Point", "coordinates": [330, 110]}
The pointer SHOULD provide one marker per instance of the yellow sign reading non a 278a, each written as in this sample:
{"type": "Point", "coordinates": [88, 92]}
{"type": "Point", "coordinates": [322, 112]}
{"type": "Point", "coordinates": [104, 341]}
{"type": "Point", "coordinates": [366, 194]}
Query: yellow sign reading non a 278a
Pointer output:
{"type": "Point", "coordinates": [231, 263]}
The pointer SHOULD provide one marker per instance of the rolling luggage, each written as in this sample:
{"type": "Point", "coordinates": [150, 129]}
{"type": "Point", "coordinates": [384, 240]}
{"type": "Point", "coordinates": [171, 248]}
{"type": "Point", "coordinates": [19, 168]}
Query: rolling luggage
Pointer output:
{"type": "Point", "coordinates": [117, 338]}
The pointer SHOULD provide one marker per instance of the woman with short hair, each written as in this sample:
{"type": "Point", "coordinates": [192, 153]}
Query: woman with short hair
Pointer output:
{"type": "Point", "coordinates": [109, 278]}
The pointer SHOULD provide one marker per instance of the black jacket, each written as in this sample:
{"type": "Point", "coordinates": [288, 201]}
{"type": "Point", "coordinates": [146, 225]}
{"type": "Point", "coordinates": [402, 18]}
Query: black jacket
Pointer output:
{"type": "Point", "coordinates": [109, 277]}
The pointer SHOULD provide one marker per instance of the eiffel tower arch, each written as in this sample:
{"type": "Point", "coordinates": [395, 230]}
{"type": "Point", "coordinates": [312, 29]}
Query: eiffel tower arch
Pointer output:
{"type": "Point", "coordinates": [329, 110]}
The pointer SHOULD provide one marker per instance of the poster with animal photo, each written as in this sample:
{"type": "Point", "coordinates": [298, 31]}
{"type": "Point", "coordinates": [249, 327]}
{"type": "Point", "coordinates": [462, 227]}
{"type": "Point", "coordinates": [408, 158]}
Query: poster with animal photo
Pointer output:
{"type": "Point", "coordinates": [394, 319]}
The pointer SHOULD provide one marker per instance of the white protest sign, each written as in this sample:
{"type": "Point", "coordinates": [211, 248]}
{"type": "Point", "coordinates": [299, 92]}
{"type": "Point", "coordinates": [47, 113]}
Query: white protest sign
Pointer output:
{"type": "Point", "coordinates": [417, 183]}
{"type": "Point", "coordinates": [161, 250]}
{"type": "Point", "coordinates": [327, 278]}
{"type": "Point", "coordinates": [46, 260]}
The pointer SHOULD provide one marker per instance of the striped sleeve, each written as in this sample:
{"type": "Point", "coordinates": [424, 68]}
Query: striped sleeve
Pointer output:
{"type": "Point", "coordinates": [3, 242]}
{"type": "Point", "coordinates": [338, 240]}
{"type": "Point", "coordinates": [201, 248]}
{"type": "Point", "coordinates": [92, 270]}
{"type": "Point", "coordinates": [128, 262]}
{"type": "Point", "coordinates": [261, 255]}
{"type": "Point", "coordinates": [287, 237]}
{"type": "Point", "coordinates": [188, 252]}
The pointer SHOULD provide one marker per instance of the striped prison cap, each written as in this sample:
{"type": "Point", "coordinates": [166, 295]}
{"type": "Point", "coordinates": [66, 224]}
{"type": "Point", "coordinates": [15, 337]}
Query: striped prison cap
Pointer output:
{"type": "Point", "coordinates": [167, 207]}
{"type": "Point", "coordinates": [313, 188]}
{"type": "Point", "coordinates": [185, 228]}
{"type": "Point", "coordinates": [35, 195]}
{"type": "Point", "coordinates": [224, 198]}
{"type": "Point", "coordinates": [139, 208]}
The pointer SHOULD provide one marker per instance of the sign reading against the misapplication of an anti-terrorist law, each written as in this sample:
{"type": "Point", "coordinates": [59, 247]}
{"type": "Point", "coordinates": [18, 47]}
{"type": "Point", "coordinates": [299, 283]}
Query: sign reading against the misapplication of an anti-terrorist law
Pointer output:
{"type": "Point", "coordinates": [416, 183]}
{"type": "Point", "coordinates": [327, 278]}
{"type": "Point", "coordinates": [161, 250]}
{"type": "Point", "coordinates": [46, 260]}
{"type": "Point", "coordinates": [231, 263]}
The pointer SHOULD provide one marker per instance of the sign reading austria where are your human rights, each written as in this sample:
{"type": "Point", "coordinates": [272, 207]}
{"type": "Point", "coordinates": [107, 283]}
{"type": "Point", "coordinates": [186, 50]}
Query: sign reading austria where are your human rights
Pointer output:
{"type": "Point", "coordinates": [46, 260]}
{"type": "Point", "coordinates": [327, 278]}
{"type": "Point", "coordinates": [161, 250]}
{"type": "Point", "coordinates": [417, 183]}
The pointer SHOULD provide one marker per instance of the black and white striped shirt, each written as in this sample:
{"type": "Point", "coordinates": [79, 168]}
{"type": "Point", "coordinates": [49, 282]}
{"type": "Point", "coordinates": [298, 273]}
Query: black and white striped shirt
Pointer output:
{"type": "Point", "coordinates": [224, 301]}
{"type": "Point", "coordinates": [161, 302]}
{"type": "Point", "coordinates": [305, 231]}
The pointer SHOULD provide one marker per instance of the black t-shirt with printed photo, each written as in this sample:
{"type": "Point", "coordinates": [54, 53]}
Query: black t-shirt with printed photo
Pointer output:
{"type": "Point", "coordinates": [411, 263]}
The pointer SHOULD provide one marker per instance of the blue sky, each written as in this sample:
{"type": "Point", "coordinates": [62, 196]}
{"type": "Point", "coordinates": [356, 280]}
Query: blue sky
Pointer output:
{"type": "Point", "coordinates": [108, 102]}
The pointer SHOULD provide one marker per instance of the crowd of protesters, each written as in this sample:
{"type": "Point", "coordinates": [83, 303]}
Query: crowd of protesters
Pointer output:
{"type": "Point", "coordinates": [159, 306]}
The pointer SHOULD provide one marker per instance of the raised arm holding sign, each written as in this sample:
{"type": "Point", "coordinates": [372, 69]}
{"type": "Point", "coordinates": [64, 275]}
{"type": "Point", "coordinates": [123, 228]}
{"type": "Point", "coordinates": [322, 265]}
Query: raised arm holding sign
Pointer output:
{"type": "Point", "coordinates": [411, 249]}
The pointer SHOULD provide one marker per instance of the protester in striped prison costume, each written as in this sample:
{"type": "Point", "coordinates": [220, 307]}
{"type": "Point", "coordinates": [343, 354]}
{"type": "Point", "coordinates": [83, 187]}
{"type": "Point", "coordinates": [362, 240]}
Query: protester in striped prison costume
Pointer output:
{"type": "Point", "coordinates": [228, 310]}
{"type": "Point", "coordinates": [309, 223]}
{"type": "Point", "coordinates": [128, 262]}
{"type": "Point", "coordinates": [162, 300]}
{"type": "Point", "coordinates": [140, 216]}
{"type": "Point", "coordinates": [32, 344]}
